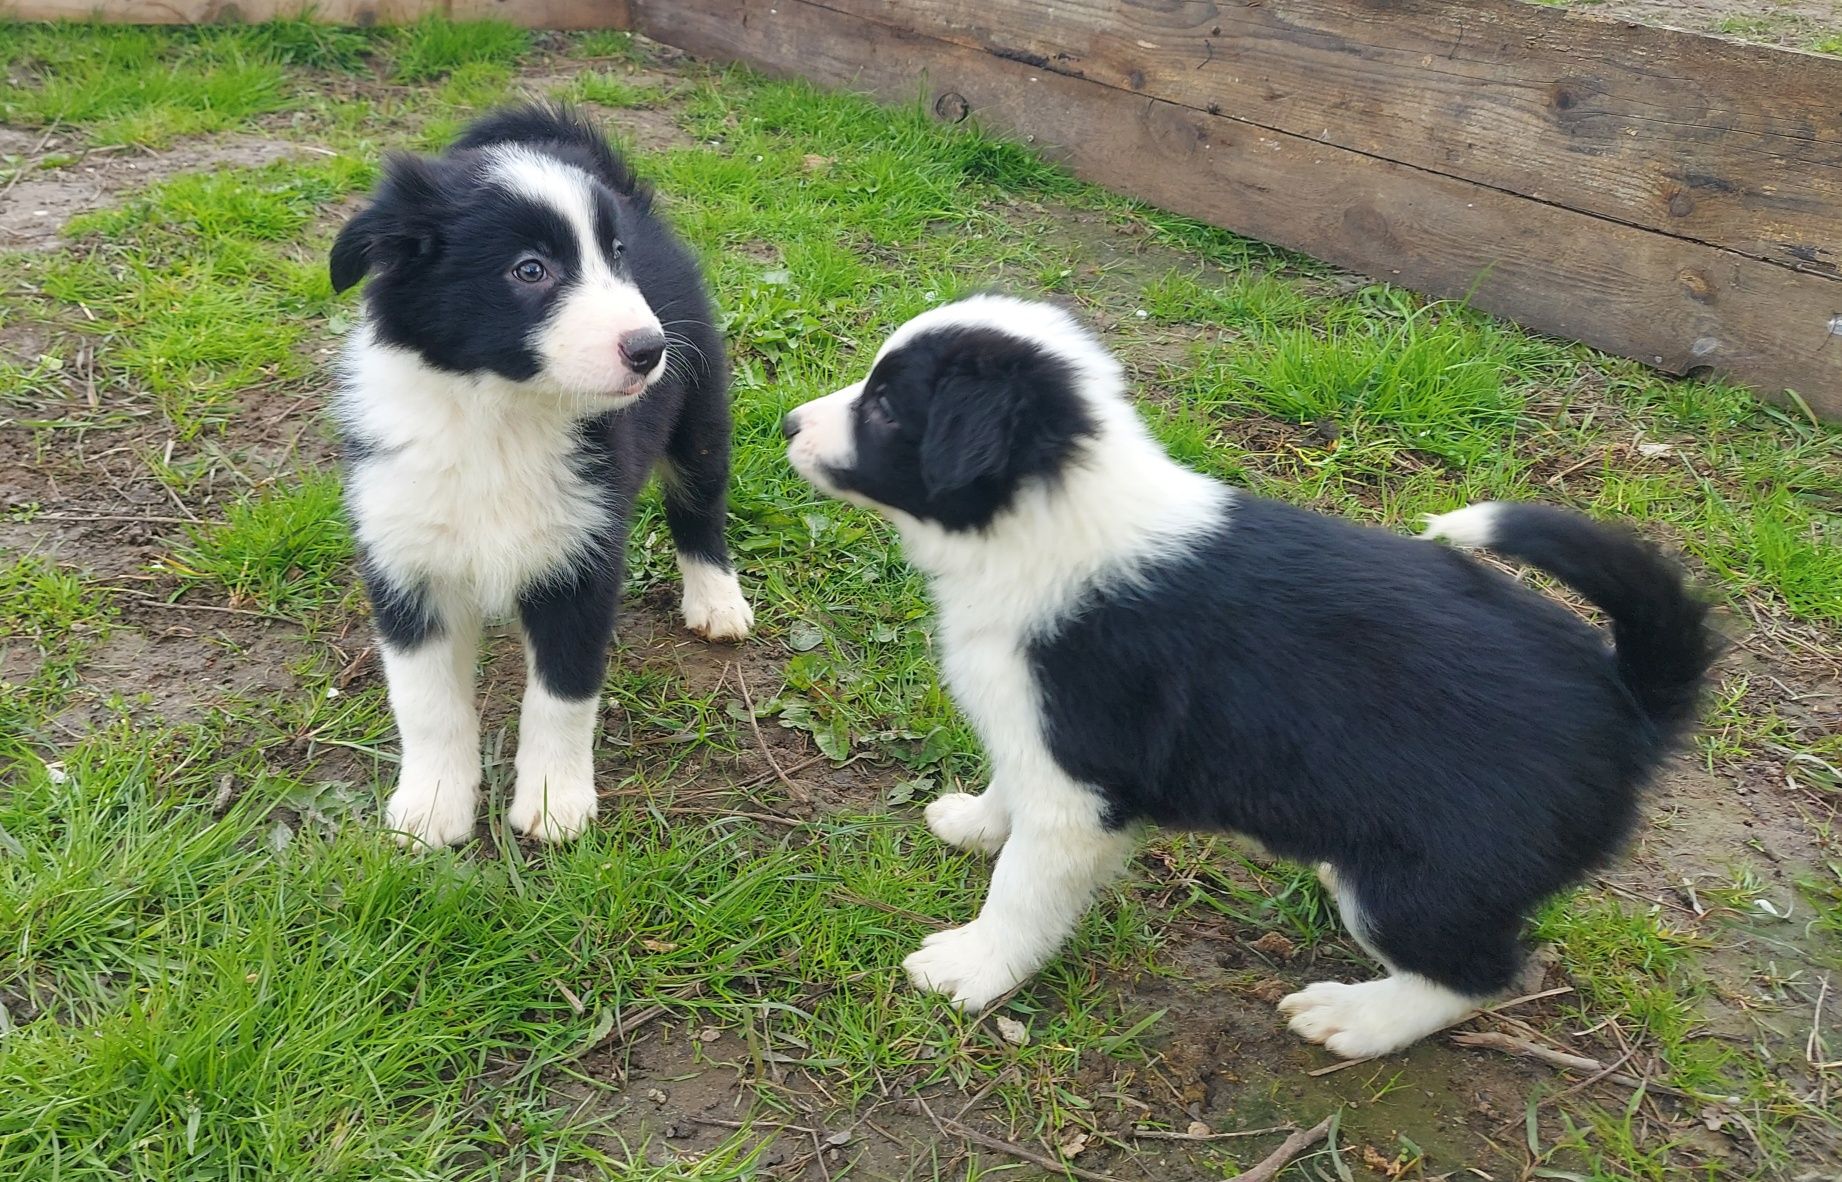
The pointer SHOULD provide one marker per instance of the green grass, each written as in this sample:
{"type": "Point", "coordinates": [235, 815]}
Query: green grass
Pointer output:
{"type": "Point", "coordinates": [297, 1000]}
{"type": "Point", "coordinates": [431, 47]}
{"type": "Point", "coordinates": [284, 550]}
{"type": "Point", "coordinates": [268, 990]}
{"type": "Point", "coordinates": [50, 618]}
{"type": "Point", "coordinates": [609, 89]}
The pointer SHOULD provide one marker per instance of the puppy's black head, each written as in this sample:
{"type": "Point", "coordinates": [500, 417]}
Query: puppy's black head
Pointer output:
{"type": "Point", "coordinates": [506, 256]}
{"type": "Point", "coordinates": [955, 415]}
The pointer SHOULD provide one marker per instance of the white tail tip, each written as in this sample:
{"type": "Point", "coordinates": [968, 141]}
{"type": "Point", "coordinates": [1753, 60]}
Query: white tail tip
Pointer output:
{"type": "Point", "coordinates": [1473, 527]}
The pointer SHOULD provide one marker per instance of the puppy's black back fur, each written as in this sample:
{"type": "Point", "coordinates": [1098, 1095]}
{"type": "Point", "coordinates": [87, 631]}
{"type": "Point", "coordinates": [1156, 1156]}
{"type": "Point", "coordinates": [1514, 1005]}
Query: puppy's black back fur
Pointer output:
{"type": "Point", "coordinates": [1456, 746]}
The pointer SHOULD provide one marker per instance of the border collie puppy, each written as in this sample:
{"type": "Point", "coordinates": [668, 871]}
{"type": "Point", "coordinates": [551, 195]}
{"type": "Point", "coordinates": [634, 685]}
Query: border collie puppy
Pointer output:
{"type": "Point", "coordinates": [1136, 643]}
{"type": "Point", "coordinates": [535, 345]}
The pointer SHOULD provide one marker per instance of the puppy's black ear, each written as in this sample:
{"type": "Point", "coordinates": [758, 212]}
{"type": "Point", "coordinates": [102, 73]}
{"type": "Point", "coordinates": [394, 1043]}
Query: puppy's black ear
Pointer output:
{"type": "Point", "coordinates": [402, 224]}
{"type": "Point", "coordinates": [353, 247]}
{"type": "Point", "coordinates": [970, 423]}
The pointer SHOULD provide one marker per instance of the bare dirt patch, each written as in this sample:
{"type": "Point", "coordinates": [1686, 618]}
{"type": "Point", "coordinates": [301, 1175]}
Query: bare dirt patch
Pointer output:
{"type": "Point", "coordinates": [42, 200]}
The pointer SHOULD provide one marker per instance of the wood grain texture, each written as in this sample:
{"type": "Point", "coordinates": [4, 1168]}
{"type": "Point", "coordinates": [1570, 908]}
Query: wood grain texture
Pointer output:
{"type": "Point", "coordinates": [1679, 305]}
{"type": "Point", "coordinates": [1733, 145]}
{"type": "Point", "coordinates": [534, 14]}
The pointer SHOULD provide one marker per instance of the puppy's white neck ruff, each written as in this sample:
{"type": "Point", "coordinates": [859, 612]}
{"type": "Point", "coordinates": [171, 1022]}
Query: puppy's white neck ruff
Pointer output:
{"type": "Point", "coordinates": [1118, 506]}
{"type": "Point", "coordinates": [466, 484]}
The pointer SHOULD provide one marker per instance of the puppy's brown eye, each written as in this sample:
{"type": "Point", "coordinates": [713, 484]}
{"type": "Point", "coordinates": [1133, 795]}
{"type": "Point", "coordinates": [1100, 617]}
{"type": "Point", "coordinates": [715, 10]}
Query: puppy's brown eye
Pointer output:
{"type": "Point", "coordinates": [530, 271]}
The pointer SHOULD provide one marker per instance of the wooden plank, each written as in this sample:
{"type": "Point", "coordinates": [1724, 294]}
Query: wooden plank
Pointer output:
{"type": "Point", "coordinates": [1733, 145]}
{"type": "Point", "coordinates": [533, 14]}
{"type": "Point", "coordinates": [1678, 305]}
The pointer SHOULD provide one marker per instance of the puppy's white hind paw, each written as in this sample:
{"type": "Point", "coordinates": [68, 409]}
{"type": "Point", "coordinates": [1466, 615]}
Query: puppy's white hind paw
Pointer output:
{"type": "Point", "coordinates": [713, 604]}
{"type": "Point", "coordinates": [1373, 1017]}
{"type": "Point", "coordinates": [969, 822]}
{"type": "Point", "coordinates": [967, 966]}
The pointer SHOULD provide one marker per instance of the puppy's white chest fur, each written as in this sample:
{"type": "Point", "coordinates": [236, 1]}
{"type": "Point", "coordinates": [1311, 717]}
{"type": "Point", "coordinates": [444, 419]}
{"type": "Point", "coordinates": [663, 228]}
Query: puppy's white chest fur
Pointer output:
{"type": "Point", "coordinates": [469, 483]}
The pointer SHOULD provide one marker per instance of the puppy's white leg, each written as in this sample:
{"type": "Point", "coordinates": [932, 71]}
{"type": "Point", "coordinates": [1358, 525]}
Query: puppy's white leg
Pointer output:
{"type": "Point", "coordinates": [1046, 874]}
{"type": "Point", "coordinates": [1374, 1017]}
{"type": "Point", "coordinates": [713, 604]}
{"type": "Point", "coordinates": [969, 822]}
{"type": "Point", "coordinates": [554, 798]}
{"type": "Point", "coordinates": [1349, 908]}
{"type": "Point", "coordinates": [431, 694]}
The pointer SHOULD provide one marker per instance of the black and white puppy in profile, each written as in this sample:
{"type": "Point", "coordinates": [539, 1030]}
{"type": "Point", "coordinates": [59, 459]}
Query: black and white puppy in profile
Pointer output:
{"type": "Point", "coordinates": [1137, 643]}
{"type": "Point", "coordinates": [535, 345]}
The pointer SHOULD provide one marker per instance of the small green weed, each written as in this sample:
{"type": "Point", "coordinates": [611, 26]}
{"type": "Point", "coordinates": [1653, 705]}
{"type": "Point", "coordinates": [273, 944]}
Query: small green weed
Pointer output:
{"type": "Point", "coordinates": [1627, 962]}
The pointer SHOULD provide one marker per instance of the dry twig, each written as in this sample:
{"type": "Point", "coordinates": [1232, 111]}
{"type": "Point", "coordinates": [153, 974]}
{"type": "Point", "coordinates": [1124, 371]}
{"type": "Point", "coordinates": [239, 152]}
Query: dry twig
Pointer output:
{"type": "Point", "coordinates": [1173, 1135]}
{"type": "Point", "coordinates": [798, 793]}
{"type": "Point", "coordinates": [1290, 1148]}
{"type": "Point", "coordinates": [1491, 1041]}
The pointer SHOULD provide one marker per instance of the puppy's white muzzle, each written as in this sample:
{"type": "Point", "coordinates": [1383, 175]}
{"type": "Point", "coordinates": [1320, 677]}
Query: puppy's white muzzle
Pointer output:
{"type": "Point", "coordinates": [820, 439]}
{"type": "Point", "coordinates": [602, 342]}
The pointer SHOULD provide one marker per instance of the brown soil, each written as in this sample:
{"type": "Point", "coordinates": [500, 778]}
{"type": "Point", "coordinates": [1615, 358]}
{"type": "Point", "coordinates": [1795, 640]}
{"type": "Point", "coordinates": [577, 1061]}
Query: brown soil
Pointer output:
{"type": "Point", "coordinates": [33, 214]}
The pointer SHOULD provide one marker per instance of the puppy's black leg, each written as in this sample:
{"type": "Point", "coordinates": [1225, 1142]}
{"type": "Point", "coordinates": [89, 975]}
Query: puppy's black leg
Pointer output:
{"type": "Point", "coordinates": [1448, 949]}
{"type": "Point", "coordinates": [567, 622]}
{"type": "Point", "coordinates": [428, 656]}
{"type": "Point", "coordinates": [696, 478]}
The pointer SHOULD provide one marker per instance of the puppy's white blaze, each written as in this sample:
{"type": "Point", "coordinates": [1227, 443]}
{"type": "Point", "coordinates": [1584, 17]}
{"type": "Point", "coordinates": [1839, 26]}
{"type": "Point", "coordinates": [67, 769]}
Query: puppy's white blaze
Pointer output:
{"type": "Point", "coordinates": [714, 606]}
{"type": "Point", "coordinates": [545, 180]}
{"type": "Point", "coordinates": [470, 485]}
{"type": "Point", "coordinates": [825, 438]}
{"type": "Point", "coordinates": [431, 694]}
{"type": "Point", "coordinates": [578, 343]}
{"type": "Point", "coordinates": [555, 795]}
{"type": "Point", "coordinates": [1473, 527]}
{"type": "Point", "coordinates": [1373, 1017]}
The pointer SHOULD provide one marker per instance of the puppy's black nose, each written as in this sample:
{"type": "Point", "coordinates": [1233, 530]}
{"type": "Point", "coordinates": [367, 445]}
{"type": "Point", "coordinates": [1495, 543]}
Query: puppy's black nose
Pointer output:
{"type": "Point", "coordinates": [789, 426]}
{"type": "Point", "coordinates": [642, 350]}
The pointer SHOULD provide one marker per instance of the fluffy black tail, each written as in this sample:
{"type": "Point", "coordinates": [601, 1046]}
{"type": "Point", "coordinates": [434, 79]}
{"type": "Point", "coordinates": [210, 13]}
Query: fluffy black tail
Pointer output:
{"type": "Point", "coordinates": [557, 126]}
{"type": "Point", "coordinates": [1660, 628]}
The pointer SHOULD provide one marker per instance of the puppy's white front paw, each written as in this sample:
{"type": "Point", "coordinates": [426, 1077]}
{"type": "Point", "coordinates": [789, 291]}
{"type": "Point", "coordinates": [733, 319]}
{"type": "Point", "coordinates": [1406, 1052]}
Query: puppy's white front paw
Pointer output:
{"type": "Point", "coordinates": [969, 822]}
{"type": "Point", "coordinates": [1373, 1017]}
{"type": "Point", "coordinates": [713, 604]}
{"type": "Point", "coordinates": [966, 965]}
{"type": "Point", "coordinates": [434, 806]}
{"type": "Point", "coordinates": [554, 802]}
